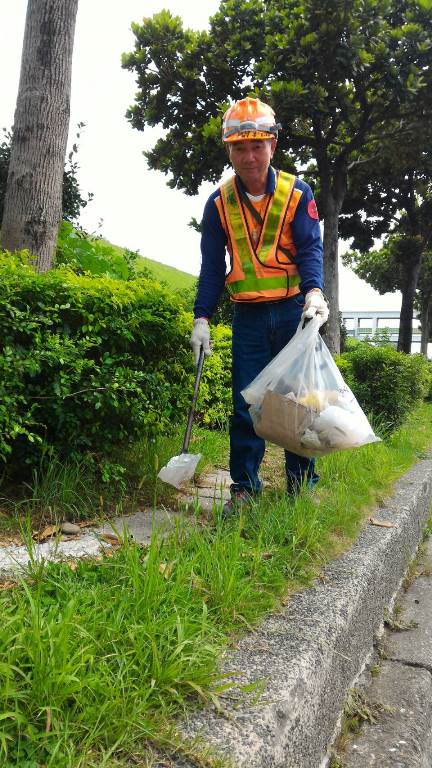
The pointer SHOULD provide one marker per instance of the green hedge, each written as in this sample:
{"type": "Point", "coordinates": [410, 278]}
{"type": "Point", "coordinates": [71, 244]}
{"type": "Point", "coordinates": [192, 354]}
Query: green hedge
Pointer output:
{"type": "Point", "coordinates": [87, 363]}
{"type": "Point", "coordinates": [387, 383]}
{"type": "Point", "coordinates": [214, 402]}
{"type": "Point", "coordinates": [428, 395]}
{"type": "Point", "coordinates": [91, 363]}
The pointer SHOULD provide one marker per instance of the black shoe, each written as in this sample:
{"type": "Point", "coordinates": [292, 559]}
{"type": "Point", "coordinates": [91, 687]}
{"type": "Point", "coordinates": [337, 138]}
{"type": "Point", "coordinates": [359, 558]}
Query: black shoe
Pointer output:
{"type": "Point", "coordinates": [238, 501]}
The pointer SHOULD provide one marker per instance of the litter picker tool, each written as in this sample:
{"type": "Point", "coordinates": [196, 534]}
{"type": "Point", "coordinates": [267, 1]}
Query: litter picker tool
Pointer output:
{"type": "Point", "coordinates": [181, 468]}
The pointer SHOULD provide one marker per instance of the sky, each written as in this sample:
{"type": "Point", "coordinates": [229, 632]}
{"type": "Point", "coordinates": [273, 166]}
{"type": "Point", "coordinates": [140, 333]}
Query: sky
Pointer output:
{"type": "Point", "coordinates": [132, 205]}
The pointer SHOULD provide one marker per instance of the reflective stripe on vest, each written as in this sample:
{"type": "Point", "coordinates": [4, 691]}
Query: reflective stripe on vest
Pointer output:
{"type": "Point", "coordinates": [257, 273]}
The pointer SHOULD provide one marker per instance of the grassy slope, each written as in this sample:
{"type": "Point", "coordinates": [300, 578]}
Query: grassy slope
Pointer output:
{"type": "Point", "coordinates": [175, 278]}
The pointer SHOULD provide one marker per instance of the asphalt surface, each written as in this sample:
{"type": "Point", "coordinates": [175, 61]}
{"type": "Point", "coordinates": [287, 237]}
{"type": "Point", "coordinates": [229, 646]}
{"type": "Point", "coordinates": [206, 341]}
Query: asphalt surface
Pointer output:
{"type": "Point", "coordinates": [397, 693]}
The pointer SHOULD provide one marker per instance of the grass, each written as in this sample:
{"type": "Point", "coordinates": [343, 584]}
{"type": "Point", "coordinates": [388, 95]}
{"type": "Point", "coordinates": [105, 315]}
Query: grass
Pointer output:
{"type": "Point", "coordinates": [57, 491]}
{"type": "Point", "coordinates": [70, 491]}
{"type": "Point", "coordinates": [358, 709]}
{"type": "Point", "coordinates": [175, 278]}
{"type": "Point", "coordinates": [97, 658]}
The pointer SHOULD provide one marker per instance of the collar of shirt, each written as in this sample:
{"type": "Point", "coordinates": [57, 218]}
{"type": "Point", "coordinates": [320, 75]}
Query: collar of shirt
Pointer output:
{"type": "Point", "coordinates": [271, 182]}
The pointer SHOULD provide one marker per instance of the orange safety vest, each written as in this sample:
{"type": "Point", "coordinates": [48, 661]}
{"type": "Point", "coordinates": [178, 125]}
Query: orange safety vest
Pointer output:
{"type": "Point", "coordinates": [264, 270]}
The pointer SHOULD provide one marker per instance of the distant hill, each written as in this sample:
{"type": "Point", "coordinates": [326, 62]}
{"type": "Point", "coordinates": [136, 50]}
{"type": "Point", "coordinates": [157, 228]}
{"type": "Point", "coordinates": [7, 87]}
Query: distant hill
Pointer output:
{"type": "Point", "coordinates": [173, 277]}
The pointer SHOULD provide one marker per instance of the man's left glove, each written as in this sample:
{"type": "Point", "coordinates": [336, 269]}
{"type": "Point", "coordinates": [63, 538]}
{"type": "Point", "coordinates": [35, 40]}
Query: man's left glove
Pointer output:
{"type": "Point", "coordinates": [315, 304]}
{"type": "Point", "coordinates": [200, 337]}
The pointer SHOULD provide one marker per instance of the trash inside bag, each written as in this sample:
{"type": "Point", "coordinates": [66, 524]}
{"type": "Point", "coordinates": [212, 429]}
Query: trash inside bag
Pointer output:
{"type": "Point", "coordinates": [301, 402]}
{"type": "Point", "coordinates": [180, 469]}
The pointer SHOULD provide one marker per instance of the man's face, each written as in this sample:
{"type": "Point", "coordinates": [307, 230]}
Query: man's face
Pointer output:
{"type": "Point", "coordinates": [251, 159]}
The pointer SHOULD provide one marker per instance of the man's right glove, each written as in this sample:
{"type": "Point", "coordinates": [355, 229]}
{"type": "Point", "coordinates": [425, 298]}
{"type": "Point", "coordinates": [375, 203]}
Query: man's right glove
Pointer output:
{"type": "Point", "coordinates": [200, 337]}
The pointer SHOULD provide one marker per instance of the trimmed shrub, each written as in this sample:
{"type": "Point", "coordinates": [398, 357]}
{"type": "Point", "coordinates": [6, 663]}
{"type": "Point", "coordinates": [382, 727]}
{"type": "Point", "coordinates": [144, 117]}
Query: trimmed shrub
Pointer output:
{"type": "Point", "coordinates": [429, 390]}
{"type": "Point", "coordinates": [214, 402]}
{"type": "Point", "coordinates": [387, 383]}
{"type": "Point", "coordinates": [87, 363]}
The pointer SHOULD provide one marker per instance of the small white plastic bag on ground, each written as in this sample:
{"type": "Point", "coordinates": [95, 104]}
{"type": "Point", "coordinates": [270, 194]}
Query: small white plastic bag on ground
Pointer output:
{"type": "Point", "coordinates": [301, 402]}
{"type": "Point", "coordinates": [180, 469]}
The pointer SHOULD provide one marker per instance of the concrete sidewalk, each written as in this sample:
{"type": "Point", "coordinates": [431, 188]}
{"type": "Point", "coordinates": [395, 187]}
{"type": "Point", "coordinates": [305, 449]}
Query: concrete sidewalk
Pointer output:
{"type": "Point", "coordinates": [85, 542]}
{"type": "Point", "coordinates": [400, 686]}
{"type": "Point", "coordinates": [89, 541]}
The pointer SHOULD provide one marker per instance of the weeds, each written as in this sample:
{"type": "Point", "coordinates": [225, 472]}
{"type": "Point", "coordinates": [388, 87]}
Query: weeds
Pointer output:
{"type": "Point", "coordinates": [97, 661]}
{"type": "Point", "coordinates": [57, 491]}
{"type": "Point", "coordinates": [357, 710]}
{"type": "Point", "coordinates": [336, 762]}
{"type": "Point", "coordinates": [63, 489]}
{"type": "Point", "coordinates": [396, 624]}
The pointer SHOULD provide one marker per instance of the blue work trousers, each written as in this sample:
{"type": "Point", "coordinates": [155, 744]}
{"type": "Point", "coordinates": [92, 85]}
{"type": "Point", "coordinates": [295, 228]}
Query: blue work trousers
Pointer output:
{"type": "Point", "coordinates": [260, 331]}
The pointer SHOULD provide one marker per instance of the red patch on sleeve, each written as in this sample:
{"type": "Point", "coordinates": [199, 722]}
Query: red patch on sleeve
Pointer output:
{"type": "Point", "coordinates": [312, 209]}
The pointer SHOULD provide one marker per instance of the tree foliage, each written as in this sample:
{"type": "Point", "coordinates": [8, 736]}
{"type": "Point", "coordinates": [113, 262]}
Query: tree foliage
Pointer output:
{"type": "Point", "coordinates": [335, 72]}
{"type": "Point", "coordinates": [396, 199]}
{"type": "Point", "coordinates": [388, 269]}
{"type": "Point", "coordinates": [383, 269]}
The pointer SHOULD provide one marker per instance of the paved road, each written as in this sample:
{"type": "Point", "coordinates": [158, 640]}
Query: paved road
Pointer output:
{"type": "Point", "coordinates": [402, 736]}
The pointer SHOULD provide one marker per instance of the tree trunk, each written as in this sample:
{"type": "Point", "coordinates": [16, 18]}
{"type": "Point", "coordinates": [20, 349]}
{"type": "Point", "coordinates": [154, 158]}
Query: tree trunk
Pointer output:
{"type": "Point", "coordinates": [425, 326]}
{"type": "Point", "coordinates": [33, 201]}
{"type": "Point", "coordinates": [331, 273]}
{"type": "Point", "coordinates": [407, 306]}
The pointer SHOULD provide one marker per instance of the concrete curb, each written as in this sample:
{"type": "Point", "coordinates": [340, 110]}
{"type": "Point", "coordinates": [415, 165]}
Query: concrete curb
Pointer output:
{"type": "Point", "coordinates": [311, 652]}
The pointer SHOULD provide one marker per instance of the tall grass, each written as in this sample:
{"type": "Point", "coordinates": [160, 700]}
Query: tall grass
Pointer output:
{"type": "Point", "coordinates": [146, 458]}
{"type": "Point", "coordinates": [98, 657]}
{"type": "Point", "coordinates": [57, 491]}
{"type": "Point", "coordinates": [63, 489]}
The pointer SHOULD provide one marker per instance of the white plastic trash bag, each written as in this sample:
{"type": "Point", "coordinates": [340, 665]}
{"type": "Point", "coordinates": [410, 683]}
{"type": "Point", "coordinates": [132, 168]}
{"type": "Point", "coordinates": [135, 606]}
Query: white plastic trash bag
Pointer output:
{"type": "Point", "coordinates": [180, 469]}
{"type": "Point", "coordinates": [301, 402]}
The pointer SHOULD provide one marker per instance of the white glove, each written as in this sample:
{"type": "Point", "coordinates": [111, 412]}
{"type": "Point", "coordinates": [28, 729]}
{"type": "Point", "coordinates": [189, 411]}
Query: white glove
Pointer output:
{"type": "Point", "coordinates": [315, 305]}
{"type": "Point", "coordinates": [200, 337]}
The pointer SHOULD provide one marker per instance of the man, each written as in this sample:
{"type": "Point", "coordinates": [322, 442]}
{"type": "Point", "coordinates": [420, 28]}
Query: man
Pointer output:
{"type": "Point", "coordinates": [267, 220]}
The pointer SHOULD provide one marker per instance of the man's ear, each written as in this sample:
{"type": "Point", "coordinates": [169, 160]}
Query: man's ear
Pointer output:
{"type": "Point", "coordinates": [273, 145]}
